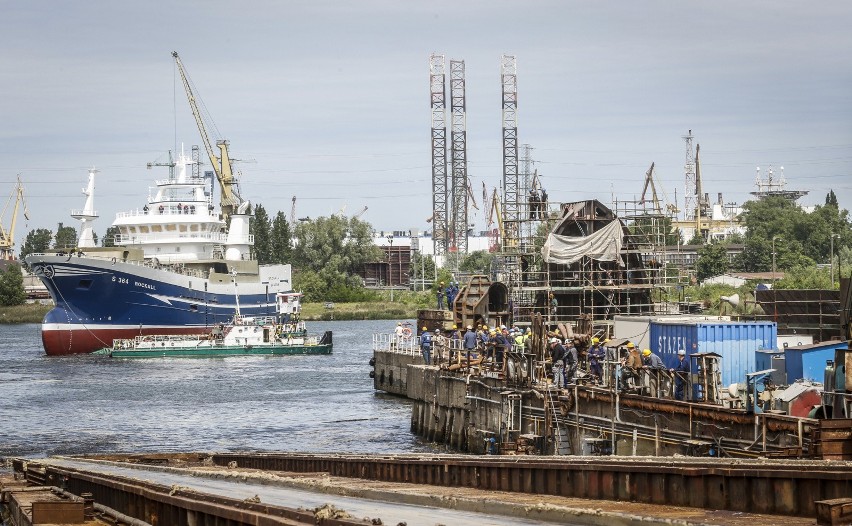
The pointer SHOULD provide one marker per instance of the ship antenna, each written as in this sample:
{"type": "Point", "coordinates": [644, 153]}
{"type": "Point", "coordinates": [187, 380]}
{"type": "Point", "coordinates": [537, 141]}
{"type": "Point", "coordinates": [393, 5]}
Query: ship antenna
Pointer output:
{"type": "Point", "coordinates": [236, 294]}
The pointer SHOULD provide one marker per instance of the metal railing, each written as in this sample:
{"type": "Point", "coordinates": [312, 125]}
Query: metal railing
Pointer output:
{"type": "Point", "coordinates": [182, 237]}
{"type": "Point", "coordinates": [409, 345]}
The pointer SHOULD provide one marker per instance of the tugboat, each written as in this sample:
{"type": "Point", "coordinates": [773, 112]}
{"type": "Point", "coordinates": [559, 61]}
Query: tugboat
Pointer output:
{"type": "Point", "coordinates": [282, 334]}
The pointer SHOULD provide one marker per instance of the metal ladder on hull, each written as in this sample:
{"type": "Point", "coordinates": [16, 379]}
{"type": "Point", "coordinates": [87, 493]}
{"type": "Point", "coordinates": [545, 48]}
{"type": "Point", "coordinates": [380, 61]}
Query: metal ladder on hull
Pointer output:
{"type": "Point", "coordinates": [561, 440]}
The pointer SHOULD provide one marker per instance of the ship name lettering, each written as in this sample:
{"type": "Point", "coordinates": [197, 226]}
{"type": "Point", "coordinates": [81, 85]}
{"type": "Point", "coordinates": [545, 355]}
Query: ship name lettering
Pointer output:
{"type": "Point", "coordinates": [144, 285]}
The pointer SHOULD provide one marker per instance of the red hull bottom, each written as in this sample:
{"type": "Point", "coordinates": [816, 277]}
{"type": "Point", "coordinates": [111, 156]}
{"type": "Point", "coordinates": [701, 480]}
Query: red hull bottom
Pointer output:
{"type": "Point", "coordinates": [62, 342]}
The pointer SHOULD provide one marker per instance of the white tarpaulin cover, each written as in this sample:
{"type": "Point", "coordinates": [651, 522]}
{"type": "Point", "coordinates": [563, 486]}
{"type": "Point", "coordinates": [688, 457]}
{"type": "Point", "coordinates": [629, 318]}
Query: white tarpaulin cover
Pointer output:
{"type": "Point", "coordinates": [603, 245]}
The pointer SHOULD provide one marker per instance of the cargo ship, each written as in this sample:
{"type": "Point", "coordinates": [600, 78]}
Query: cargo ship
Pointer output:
{"type": "Point", "coordinates": [176, 267]}
{"type": "Point", "coordinates": [173, 270]}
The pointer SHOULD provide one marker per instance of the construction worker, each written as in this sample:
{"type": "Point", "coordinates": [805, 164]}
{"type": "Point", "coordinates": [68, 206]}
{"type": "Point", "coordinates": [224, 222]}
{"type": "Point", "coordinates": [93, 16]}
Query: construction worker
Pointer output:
{"type": "Point", "coordinates": [440, 294]}
{"type": "Point", "coordinates": [491, 345]}
{"type": "Point", "coordinates": [572, 361]}
{"type": "Point", "coordinates": [653, 366]}
{"type": "Point", "coordinates": [469, 339]}
{"type": "Point", "coordinates": [426, 345]}
{"type": "Point", "coordinates": [557, 358]}
{"type": "Point", "coordinates": [597, 354]}
{"type": "Point", "coordinates": [681, 374]}
{"type": "Point", "coordinates": [398, 335]}
{"type": "Point", "coordinates": [554, 305]}
{"type": "Point", "coordinates": [449, 293]}
{"type": "Point", "coordinates": [651, 360]}
{"type": "Point", "coordinates": [519, 341]}
{"type": "Point", "coordinates": [630, 365]}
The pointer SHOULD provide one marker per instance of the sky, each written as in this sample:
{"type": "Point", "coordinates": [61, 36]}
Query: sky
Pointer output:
{"type": "Point", "coordinates": [328, 101]}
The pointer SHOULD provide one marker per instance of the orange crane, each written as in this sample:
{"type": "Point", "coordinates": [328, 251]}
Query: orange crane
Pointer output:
{"type": "Point", "coordinates": [230, 198]}
{"type": "Point", "coordinates": [7, 237]}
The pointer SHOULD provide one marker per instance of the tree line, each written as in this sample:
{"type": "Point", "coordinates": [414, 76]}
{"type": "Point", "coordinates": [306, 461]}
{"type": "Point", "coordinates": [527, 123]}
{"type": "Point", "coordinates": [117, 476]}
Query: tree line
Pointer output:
{"type": "Point", "coordinates": [801, 240]}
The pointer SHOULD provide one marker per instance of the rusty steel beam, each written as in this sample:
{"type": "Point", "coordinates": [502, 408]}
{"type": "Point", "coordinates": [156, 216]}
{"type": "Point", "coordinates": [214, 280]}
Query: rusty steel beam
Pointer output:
{"type": "Point", "coordinates": [159, 504]}
{"type": "Point", "coordinates": [760, 486]}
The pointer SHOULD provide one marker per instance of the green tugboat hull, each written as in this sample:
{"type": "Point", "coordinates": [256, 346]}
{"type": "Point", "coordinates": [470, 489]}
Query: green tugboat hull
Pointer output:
{"type": "Point", "coordinates": [244, 341]}
{"type": "Point", "coordinates": [219, 351]}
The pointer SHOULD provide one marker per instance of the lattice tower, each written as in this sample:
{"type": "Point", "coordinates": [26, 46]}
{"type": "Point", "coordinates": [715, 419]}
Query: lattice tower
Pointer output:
{"type": "Point", "coordinates": [691, 190]}
{"type": "Point", "coordinates": [437, 89]}
{"type": "Point", "coordinates": [511, 197]}
{"type": "Point", "coordinates": [459, 196]}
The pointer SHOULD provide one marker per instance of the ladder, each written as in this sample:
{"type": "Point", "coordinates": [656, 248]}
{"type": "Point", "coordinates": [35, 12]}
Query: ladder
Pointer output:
{"type": "Point", "coordinates": [561, 440]}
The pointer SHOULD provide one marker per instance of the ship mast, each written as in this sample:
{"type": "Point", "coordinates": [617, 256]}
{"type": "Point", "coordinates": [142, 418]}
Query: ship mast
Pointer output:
{"type": "Point", "coordinates": [230, 198]}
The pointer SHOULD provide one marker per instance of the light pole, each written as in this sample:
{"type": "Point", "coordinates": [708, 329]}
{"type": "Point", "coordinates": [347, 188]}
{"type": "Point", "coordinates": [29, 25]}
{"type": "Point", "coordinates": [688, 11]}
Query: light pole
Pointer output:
{"type": "Point", "coordinates": [831, 261]}
{"type": "Point", "coordinates": [774, 277]}
{"type": "Point", "coordinates": [390, 265]}
{"type": "Point", "coordinates": [774, 280]}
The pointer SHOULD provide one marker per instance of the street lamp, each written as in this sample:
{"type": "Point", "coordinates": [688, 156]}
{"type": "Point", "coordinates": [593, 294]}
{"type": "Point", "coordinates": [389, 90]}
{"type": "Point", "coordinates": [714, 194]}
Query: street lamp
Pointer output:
{"type": "Point", "coordinates": [831, 261]}
{"type": "Point", "coordinates": [774, 277]}
{"type": "Point", "coordinates": [390, 264]}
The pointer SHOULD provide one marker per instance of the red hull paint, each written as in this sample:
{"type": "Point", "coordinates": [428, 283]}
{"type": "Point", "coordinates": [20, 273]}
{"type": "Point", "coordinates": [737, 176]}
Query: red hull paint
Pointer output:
{"type": "Point", "coordinates": [81, 341]}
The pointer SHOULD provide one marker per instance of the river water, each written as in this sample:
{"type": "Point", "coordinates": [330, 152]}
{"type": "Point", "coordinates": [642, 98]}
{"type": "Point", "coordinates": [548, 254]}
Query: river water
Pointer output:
{"type": "Point", "coordinates": [95, 404]}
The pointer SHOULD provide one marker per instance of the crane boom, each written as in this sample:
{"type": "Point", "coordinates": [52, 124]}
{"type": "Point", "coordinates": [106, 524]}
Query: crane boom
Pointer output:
{"type": "Point", "coordinates": [230, 198]}
{"type": "Point", "coordinates": [7, 238]}
{"type": "Point", "coordinates": [649, 182]}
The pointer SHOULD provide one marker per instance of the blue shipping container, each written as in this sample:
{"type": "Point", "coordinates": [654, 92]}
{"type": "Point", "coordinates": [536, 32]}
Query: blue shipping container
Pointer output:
{"type": "Point", "coordinates": [808, 361]}
{"type": "Point", "coordinates": [736, 342]}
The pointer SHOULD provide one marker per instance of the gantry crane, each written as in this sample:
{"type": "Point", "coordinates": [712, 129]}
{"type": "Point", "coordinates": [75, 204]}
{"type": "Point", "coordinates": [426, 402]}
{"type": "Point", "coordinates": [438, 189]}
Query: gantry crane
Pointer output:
{"type": "Point", "coordinates": [7, 237]}
{"type": "Point", "coordinates": [230, 198]}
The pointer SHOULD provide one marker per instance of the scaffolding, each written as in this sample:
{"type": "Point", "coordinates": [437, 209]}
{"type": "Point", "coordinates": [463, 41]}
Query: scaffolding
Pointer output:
{"type": "Point", "coordinates": [589, 293]}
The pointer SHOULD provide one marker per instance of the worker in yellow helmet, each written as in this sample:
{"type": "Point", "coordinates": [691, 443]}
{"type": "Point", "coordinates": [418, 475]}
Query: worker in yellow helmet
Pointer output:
{"type": "Point", "coordinates": [651, 360]}
{"type": "Point", "coordinates": [630, 365]}
{"type": "Point", "coordinates": [597, 355]}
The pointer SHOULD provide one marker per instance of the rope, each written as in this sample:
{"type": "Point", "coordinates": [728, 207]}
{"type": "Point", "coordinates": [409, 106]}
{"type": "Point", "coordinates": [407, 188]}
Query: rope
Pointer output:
{"type": "Point", "coordinates": [70, 332]}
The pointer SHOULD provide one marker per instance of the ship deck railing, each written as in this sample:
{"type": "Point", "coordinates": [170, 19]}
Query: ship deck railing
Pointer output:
{"type": "Point", "coordinates": [132, 343]}
{"type": "Point", "coordinates": [177, 268]}
{"type": "Point", "coordinates": [390, 342]}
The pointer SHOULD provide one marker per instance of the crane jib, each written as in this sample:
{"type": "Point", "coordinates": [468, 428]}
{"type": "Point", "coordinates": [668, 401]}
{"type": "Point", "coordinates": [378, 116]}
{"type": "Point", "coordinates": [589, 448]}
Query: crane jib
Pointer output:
{"type": "Point", "coordinates": [230, 198]}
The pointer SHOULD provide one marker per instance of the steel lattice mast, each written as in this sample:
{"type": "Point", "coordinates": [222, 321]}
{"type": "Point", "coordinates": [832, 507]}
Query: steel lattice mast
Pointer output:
{"type": "Point", "coordinates": [511, 199]}
{"type": "Point", "coordinates": [691, 192]}
{"type": "Point", "coordinates": [437, 88]}
{"type": "Point", "coordinates": [458, 221]}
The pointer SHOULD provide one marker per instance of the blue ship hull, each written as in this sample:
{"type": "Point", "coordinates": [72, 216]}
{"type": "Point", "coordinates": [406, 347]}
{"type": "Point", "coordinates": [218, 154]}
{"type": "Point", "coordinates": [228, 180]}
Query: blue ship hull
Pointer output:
{"type": "Point", "coordinates": [98, 300]}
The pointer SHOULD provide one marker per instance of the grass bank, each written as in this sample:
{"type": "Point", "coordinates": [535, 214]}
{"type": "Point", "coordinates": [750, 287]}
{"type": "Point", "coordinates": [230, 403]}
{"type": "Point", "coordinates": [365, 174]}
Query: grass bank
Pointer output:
{"type": "Point", "coordinates": [359, 311]}
{"type": "Point", "coordinates": [26, 313]}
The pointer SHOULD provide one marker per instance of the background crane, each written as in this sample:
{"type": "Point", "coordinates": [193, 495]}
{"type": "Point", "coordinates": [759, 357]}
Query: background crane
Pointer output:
{"type": "Point", "coordinates": [171, 164]}
{"type": "Point", "coordinates": [360, 213]}
{"type": "Point", "coordinates": [7, 237]}
{"type": "Point", "coordinates": [649, 183]}
{"type": "Point", "coordinates": [230, 198]}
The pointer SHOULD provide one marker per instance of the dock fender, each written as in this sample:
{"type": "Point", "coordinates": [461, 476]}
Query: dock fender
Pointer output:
{"type": "Point", "coordinates": [372, 374]}
{"type": "Point", "coordinates": [373, 361]}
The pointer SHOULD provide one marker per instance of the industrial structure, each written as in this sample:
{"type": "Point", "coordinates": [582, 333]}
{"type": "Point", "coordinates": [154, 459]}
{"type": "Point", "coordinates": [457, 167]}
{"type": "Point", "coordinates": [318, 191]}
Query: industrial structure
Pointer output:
{"type": "Point", "coordinates": [221, 162]}
{"type": "Point", "coordinates": [13, 204]}
{"type": "Point", "coordinates": [772, 187]}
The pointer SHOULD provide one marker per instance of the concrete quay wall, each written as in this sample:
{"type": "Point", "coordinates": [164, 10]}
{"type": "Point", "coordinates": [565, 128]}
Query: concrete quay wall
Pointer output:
{"type": "Point", "coordinates": [390, 371]}
{"type": "Point", "coordinates": [466, 412]}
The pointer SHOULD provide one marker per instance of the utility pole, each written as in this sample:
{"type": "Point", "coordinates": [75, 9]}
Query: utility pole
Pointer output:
{"type": "Point", "coordinates": [832, 258]}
